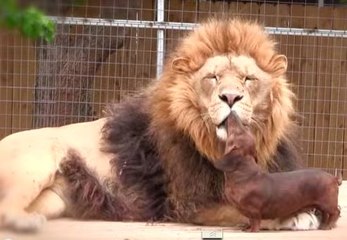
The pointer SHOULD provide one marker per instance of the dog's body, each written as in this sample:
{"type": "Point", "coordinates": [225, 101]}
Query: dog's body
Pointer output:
{"type": "Point", "coordinates": [261, 195]}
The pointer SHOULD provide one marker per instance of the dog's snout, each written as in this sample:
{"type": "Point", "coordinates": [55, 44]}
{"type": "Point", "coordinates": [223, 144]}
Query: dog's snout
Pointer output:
{"type": "Point", "coordinates": [230, 98]}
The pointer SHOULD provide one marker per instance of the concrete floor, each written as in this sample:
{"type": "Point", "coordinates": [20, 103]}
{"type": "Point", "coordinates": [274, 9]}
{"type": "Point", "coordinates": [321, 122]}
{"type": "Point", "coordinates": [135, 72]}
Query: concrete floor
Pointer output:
{"type": "Point", "coordinates": [67, 229]}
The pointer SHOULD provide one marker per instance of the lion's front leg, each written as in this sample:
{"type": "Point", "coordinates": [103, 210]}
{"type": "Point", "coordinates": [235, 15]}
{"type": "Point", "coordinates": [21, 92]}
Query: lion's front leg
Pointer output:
{"type": "Point", "coordinates": [301, 221]}
{"type": "Point", "coordinates": [24, 172]}
{"type": "Point", "coordinates": [48, 204]}
{"type": "Point", "coordinates": [13, 213]}
{"type": "Point", "coordinates": [226, 215]}
{"type": "Point", "coordinates": [19, 189]}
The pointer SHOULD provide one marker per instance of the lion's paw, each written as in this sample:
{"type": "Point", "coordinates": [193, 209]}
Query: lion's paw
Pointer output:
{"type": "Point", "coordinates": [22, 222]}
{"type": "Point", "coordinates": [302, 221]}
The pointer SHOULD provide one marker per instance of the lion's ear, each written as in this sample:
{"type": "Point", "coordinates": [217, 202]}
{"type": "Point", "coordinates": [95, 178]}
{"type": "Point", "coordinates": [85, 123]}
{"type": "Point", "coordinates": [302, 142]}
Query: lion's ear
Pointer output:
{"type": "Point", "coordinates": [279, 64]}
{"type": "Point", "coordinates": [181, 64]}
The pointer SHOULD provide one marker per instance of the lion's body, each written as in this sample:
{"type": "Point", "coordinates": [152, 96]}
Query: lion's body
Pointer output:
{"type": "Point", "coordinates": [154, 154]}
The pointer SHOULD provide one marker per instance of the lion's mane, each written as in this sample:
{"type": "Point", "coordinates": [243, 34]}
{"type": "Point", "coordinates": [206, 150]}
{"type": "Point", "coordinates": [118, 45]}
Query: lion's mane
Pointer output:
{"type": "Point", "coordinates": [163, 149]}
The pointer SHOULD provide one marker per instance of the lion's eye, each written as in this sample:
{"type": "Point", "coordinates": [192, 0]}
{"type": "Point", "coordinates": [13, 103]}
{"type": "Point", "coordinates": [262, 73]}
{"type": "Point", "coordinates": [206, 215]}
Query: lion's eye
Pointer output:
{"type": "Point", "coordinates": [209, 83]}
{"type": "Point", "coordinates": [214, 78]}
{"type": "Point", "coordinates": [250, 78]}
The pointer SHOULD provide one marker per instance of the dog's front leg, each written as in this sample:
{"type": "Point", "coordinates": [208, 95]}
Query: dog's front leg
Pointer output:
{"type": "Point", "coordinates": [254, 225]}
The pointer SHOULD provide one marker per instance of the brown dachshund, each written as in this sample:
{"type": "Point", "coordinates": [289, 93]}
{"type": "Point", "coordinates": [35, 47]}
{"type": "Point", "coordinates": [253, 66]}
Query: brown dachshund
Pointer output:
{"type": "Point", "coordinates": [258, 194]}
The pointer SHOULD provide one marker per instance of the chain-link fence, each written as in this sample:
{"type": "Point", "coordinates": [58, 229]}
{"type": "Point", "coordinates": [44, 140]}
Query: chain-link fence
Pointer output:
{"type": "Point", "coordinates": [105, 50]}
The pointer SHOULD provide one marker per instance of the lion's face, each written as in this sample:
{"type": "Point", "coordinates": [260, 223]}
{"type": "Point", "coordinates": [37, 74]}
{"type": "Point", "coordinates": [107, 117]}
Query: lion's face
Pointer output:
{"type": "Point", "coordinates": [230, 82]}
{"type": "Point", "coordinates": [219, 67]}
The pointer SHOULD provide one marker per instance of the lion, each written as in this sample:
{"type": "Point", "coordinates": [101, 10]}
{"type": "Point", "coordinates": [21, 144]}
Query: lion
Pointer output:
{"type": "Point", "coordinates": [152, 157]}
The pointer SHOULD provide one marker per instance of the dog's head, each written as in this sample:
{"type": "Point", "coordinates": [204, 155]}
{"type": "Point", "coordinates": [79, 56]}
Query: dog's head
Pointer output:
{"type": "Point", "coordinates": [240, 139]}
{"type": "Point", "coordinates": [240, 144]}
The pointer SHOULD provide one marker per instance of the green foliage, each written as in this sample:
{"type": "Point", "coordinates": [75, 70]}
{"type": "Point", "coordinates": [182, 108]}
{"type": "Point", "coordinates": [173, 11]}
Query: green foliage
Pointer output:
{"type": "Point", "coordinates": [30, 21]}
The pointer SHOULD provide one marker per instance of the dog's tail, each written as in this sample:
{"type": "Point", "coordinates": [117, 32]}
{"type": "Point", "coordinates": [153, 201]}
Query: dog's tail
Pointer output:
{"type": "Point", "coordinates": [338, 175]}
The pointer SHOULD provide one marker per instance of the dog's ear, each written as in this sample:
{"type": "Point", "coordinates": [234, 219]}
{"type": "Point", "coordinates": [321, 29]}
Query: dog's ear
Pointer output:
{"type": "Point", "coordinates": [221, 164]}
{"type": "Point", "coordinates": [256, 159]}
{"type": "Point", "coordinates": [226, 162]}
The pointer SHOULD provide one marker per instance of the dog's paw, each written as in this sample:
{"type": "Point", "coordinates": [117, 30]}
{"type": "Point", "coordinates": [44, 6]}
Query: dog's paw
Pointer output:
{"type": "Point", "coordinates": [302, 221]}
{"type": "Point", "coordinates": [22, 222]}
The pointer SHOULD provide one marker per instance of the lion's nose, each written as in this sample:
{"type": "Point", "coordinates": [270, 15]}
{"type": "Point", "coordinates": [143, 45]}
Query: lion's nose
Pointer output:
{"type": "Point", "coordinates": [230, 98]}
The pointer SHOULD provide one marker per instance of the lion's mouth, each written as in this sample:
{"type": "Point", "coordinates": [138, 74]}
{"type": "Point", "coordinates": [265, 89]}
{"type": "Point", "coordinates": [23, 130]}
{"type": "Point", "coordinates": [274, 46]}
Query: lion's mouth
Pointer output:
{"type": "Point", "coordinates": [221, 130]}
{"type": "Point", "coordinates": [223, 124]}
